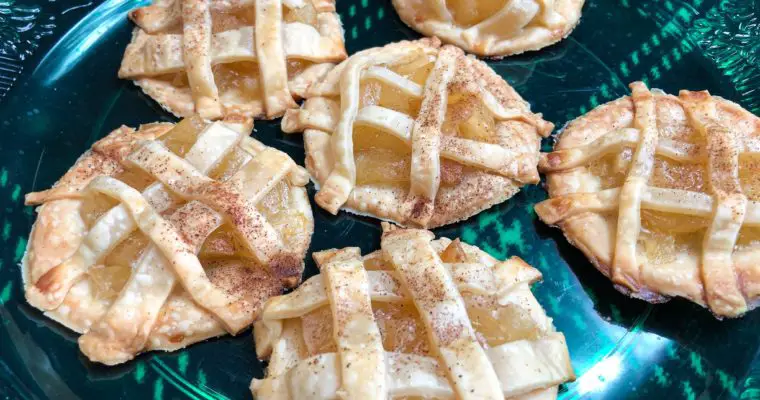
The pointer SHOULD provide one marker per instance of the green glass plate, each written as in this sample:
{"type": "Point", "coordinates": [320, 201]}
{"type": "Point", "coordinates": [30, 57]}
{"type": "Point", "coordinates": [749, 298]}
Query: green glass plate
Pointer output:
{"type": "Point", "coordinates": [58, 64]}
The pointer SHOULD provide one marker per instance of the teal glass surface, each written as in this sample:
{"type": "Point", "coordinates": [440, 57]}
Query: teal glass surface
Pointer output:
{"type": "Point", "coordinates": [58, 77]}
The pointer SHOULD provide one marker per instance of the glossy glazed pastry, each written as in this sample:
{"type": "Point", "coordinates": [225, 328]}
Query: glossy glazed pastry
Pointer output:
{"type": "Point", "coordinates": [417, 133]}
{"type": "Point", "coordinates": [160, 237]}
{"type": "Point", "coordinates": [493, 28]}
{"type": "Point", "coordinates": [661, 193]}
{"type": "Point", "coordinates": [243, 57]}
{"type": "Point", "coordinates": [420, 318]}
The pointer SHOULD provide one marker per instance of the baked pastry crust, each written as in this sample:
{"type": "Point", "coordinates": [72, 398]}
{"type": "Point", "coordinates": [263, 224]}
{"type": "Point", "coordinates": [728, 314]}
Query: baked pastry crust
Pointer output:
{"type": "Point", "coordinates": [412, 319]}
{"type": "Point", "coordinates": [222, 223]}
{"type": "Point", "coordinates": [676, 211]}
{"type": "Point", "coordinates": [493, 28]}
{"type": "Point", "coordinates": [205, 56]}
{"type": "Point", "coordinates": [464, 139]}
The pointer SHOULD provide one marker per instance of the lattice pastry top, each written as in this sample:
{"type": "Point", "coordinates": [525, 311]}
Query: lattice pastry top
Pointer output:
{"type": "Point", "coordinates": [418, 134]}
{"type": "Point", "coordinates": [662, 193]}
{"type": "Point", "coordinates": [223, 57]}
{"type": "Point", "coordinates": [166, 236]}
{"type": "Point", "coordinates": [493, 27]}
{"type": "Point", "coordinates": [421, 317]}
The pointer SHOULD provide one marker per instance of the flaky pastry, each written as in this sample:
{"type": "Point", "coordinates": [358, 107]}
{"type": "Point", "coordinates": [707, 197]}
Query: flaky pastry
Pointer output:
{"type": "Point", "coordinates": [662, 194]}
{"type": "Point", "coordinates": [161, 237]}
{"type": "Point", "coordinates": [493, 28]}
{"type": "Point", "coordinates": [418, 134]}
{"type": "Point", "coordinates": [220, 57]}
{"type": "Point", "coordinates": [420, 318]}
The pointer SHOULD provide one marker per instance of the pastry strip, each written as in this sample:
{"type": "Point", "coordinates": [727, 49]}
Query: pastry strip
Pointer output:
{"type": "Point", "coordinates": [269, 46]}
{"type": "Point", "coordinates": [443, 313]}
{"type": "Point", "coordinates": [425, 174]}
{"type": "Point", "coordinates": [722, 289]}
{"type": "Point", "coordinates": [625, 267]}
{"type": "Point", "coordinates": [360, 347]}
{"type": "Point", "coordinates": [196, 48]}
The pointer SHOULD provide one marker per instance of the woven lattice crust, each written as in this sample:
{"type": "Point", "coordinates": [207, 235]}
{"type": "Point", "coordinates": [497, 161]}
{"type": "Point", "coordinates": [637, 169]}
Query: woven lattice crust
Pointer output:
{"type": "Point", "coordinates": [165, 236]}
{"type": "Point", "coordinates": [659, 192]}
{"type": "Point", "coordinates": [421, 317]}
{"type": "Point", "coordinates": [418, 134]}
{"type": "Point", "coordinates": [241, 57]}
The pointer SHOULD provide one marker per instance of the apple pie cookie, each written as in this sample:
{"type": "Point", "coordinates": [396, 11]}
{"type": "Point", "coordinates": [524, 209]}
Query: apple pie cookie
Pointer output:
{"type": "Point", "coordinates": [165, 236]}
{"type": "Point", "coordinates": [244, 57]}
{"type": "Point", "coordinates": [662, 194]}
{"type": "Point", "coordinates": [421, 318]}
{"type": "Point", "coordinates": [417, 133]}
{"type": "Point", "coordinates": [493, 28]}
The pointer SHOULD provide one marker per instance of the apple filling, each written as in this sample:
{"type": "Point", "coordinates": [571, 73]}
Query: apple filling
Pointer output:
{"type": "Point", "coordinates": [468, 118]}
{"type": "Point", "coordinates": [374, 92]}
{"type": "Point", "coordinates": [375, 264]}
{"type": "Point", "coordinates": [748, 237]}
{"type": "Point", "coordinates": [108, 280]}
{"type": "Point", "coordinates": [276, 207]}
{"type": "Point", "coordinates": [225, 20]}
{"type": "Point", "coordinates": [416, 69]}
{"type": "Point", "coordinates": [240, 79]}
{"type": "Point", "coordinates": [403, 331]}
{"type": "Point", "coordinates": [219, 244]}
{"type": "Point", "coordinates": [501, 324]}
{"type": "Point", "coordinates": [675, 175]}
{"type": "Point", "coordinates": [469, 13]}
{"type": "Point", "coordinates": [611, 169]}
{"type": "Point", "coordinates": [306, 14]}
{"type": "Point", "coordinates": [110, 276]}
{"type": "Point", "coordinates": [94, 206]}
{"type": "Point", "coordinates": [317, 329]}
{"type": "Point", "coordinates": [183, 135]}
{"type": "Point", "coordinates": [230, 165]}
{"type": "Point", "coordinates": [663, 235]}
{"type": "Point", "coordinates": [381, 159]}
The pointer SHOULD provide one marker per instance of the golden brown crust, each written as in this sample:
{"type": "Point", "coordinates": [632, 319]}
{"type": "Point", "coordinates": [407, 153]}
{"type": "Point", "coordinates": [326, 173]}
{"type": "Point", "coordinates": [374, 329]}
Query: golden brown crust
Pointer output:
{"type": "Point", "coordinates": [519, 26]}
{"type": "Point", "coordinates": [188, 54]}
{"type": "Point", "coordinates": [693, 128]}
{"type": "Point", "coordinates": [219, 291]}
{"type": "Point", "coordinates": [337, 332]}
{"type": "Point", "coordinates": [452, 176]}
